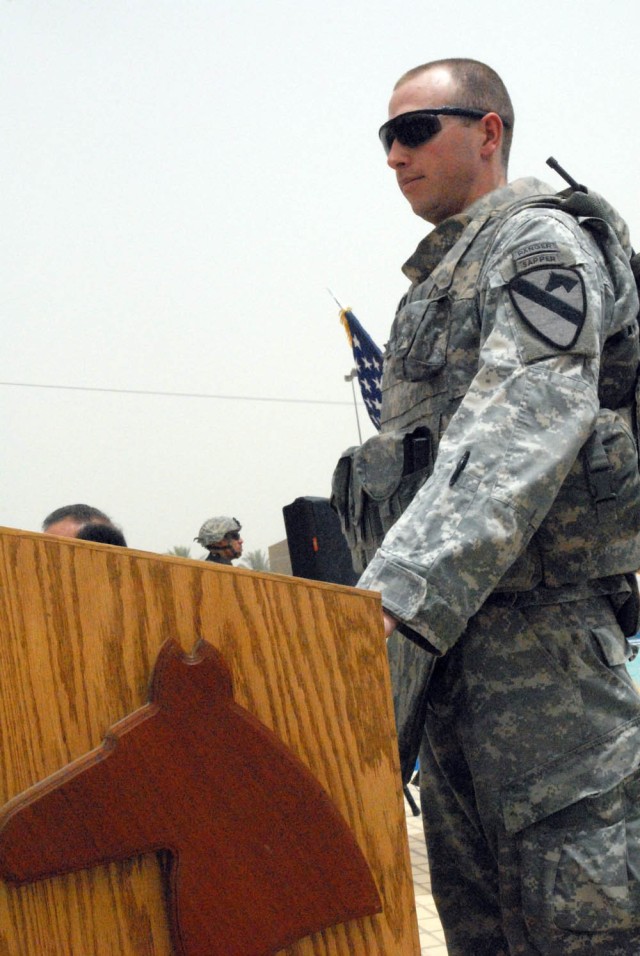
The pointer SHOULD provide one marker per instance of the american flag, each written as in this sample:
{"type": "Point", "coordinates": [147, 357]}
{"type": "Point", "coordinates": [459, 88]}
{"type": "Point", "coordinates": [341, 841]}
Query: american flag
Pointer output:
{"type": "Point", "coordinates": [368, 359]}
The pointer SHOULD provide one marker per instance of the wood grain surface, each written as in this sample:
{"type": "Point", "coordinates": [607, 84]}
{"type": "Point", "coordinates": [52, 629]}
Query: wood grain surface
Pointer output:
{"type": "Point", "coordinates": [80, 627]}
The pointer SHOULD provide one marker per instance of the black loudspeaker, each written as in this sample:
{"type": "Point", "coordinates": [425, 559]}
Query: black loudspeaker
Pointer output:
{"type": "Point", "coordinates": [317, 546]}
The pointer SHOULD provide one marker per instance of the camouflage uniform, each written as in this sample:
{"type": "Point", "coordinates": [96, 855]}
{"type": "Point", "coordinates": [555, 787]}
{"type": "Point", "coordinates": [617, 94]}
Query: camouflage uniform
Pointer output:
{"type": "Point", "coordinates": [506, 443]}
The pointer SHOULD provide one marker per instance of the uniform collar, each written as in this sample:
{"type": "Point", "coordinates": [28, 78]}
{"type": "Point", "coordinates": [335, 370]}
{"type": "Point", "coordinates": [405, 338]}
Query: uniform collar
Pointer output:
{"type": "Point", "coordinates": [432, 249]}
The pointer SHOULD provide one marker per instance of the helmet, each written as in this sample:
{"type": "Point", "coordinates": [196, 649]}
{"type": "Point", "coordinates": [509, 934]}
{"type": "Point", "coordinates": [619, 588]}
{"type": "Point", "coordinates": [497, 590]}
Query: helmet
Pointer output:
{"type": "Point", "coordinates": [214, 530]}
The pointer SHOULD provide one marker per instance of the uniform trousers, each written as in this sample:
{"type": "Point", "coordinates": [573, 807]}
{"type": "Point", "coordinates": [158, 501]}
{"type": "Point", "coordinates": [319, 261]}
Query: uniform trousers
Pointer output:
{"type": "Point", "coordinates": [530, 784]}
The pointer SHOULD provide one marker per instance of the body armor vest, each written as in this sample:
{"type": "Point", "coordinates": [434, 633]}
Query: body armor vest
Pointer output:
{"type": "Point", "coordinates": [592, 529]}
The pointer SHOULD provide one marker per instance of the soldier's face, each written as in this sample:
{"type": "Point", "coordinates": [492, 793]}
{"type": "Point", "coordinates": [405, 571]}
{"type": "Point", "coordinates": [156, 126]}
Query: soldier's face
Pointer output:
{"type": "Point", "coordinates": [234, 543]}
{"type": "Point", "coordinates": [441, 177]}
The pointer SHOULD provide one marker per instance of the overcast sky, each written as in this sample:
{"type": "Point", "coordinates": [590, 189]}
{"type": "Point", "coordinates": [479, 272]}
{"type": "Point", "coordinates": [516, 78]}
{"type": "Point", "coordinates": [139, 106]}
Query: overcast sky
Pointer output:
{"type": "Point", "coordinates": [181, 180]}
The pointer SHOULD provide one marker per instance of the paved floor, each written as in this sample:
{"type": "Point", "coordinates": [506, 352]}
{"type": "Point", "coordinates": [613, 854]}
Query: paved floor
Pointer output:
{"type": "Point", "coordinates": [431, 935]}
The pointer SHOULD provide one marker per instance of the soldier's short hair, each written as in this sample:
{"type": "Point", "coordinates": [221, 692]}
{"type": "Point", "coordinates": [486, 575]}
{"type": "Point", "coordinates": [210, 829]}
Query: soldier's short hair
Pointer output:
{"type": "Point", "coordinates": [478, 86]}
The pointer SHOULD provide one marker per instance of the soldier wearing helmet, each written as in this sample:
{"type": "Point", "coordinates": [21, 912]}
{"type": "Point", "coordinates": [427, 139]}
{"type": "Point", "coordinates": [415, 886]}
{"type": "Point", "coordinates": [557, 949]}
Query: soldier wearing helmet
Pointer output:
{"type": "Point", "coordinates": [221, 537]}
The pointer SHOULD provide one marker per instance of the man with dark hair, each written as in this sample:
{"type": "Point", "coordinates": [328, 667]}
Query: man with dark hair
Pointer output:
{"type": "Point", "coordinates": [102, 533]}
{"type": "Point", "coordinates": [497, 512]}
{"type": "Point", "coordinates": [67, 520]}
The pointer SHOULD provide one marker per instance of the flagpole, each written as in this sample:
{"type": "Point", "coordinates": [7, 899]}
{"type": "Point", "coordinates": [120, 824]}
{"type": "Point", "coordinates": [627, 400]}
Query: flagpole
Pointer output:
{"type": "Point", "coordinates": [368, 359]}
{"type": "Point", "coordinates": [350, 378]}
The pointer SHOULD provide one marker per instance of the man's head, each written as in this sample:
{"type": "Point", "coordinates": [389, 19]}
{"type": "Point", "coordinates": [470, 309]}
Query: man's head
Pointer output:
{"type": "Point", "coordinates": [445, 161]}
{"type": "Point", "coordinates": [103, 533]}
{"type": "Point", "coordinates": [221, 535]}
{"type": "Point", "coordinates": [67, 521]}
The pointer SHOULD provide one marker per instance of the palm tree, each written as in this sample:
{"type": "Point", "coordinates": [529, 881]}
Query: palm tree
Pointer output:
{"type": "Point", "coordinates": [256, 560]}
{"type": "Point", "coordinates": [180, 551]}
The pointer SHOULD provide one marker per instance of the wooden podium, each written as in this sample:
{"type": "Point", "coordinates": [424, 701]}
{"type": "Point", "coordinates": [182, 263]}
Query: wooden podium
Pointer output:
{"type": "Point", "coordinates": [81, 626]}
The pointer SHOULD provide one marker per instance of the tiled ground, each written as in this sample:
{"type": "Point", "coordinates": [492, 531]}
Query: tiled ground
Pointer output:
{"type": "Point", "coordinates": [431, 935]}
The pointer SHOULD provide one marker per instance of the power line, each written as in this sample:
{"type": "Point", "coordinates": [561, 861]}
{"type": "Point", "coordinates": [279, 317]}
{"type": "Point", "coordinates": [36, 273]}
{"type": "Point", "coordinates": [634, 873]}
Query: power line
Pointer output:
{"type": "Point", "coordinates": [140, 391]}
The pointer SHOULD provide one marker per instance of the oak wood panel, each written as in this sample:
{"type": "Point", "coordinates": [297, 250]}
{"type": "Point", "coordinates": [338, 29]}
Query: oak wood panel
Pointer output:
{"type": "Point", "coordinates": [80, 627]}
{"type": "Point", "coordinates": [190, 768]}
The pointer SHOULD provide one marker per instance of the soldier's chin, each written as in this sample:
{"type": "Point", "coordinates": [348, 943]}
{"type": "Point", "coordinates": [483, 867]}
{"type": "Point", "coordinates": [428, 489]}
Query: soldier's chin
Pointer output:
{"type": "Point", "coordinates": [421, 209]}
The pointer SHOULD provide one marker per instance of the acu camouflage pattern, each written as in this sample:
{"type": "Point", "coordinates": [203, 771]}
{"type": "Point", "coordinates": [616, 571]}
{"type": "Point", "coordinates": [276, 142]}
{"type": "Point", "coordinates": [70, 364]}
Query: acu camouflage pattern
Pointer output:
{"type": "Point", "coordinates": [511, 562]}
{"type": "Point", "coordinates": [530, 784]}
{"type": "Point", "coordinates": [550, 493]}
{"type": "Point", "coordinates": [214, 530]}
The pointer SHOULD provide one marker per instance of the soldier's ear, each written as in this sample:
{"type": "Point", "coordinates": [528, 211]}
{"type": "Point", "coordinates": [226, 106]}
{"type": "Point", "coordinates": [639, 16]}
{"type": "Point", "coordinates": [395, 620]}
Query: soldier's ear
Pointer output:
{"type": "Point", "coordinates": [492, 131]}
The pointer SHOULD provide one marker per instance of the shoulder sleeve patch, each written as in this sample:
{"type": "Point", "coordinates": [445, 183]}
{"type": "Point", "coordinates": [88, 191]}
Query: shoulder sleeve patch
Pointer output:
{"type": "Point", "coordinates": [552, 302]}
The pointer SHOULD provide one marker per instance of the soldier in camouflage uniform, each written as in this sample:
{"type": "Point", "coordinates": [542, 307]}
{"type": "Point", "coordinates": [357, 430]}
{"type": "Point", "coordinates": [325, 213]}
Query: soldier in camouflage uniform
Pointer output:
{"type": "Point", "coordinates": [498, 514]}
{"type": "Point", "coordinates": [220, 536]}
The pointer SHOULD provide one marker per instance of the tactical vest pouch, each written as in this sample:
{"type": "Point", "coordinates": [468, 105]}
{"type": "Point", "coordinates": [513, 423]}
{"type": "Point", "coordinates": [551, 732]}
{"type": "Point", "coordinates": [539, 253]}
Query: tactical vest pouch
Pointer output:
{"type": "Point", "coordinates": [421, 343]}
{"type": "Point", "coordinates": [373, 484]}
{"type": "Point", "coordinates": [593, 527]}
{"type": "Point", "coordinates": [341, 499]}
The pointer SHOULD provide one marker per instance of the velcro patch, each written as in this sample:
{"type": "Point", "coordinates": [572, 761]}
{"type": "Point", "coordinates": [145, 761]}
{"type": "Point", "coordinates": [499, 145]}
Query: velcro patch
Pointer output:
{"type": "Point", "coordinates": [552, 302]}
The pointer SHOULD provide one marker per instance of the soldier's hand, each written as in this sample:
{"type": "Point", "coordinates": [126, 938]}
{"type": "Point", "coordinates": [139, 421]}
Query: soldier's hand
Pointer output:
{"type": "Point", "coordinates": [389, 623]}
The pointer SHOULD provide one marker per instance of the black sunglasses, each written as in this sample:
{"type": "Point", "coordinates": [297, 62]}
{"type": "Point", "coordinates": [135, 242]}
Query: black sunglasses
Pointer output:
{"type": "Point", "coordinates": [419, 126]}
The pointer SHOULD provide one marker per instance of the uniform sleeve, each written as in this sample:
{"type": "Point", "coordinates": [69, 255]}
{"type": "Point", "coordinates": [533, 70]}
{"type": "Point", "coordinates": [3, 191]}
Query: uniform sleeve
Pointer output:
{"type": "Point", "coordinates": [506, 452]}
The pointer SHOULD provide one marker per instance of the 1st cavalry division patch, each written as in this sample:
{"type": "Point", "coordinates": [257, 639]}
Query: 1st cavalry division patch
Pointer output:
{"type": "Point", "coordinates": [552, 302]}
